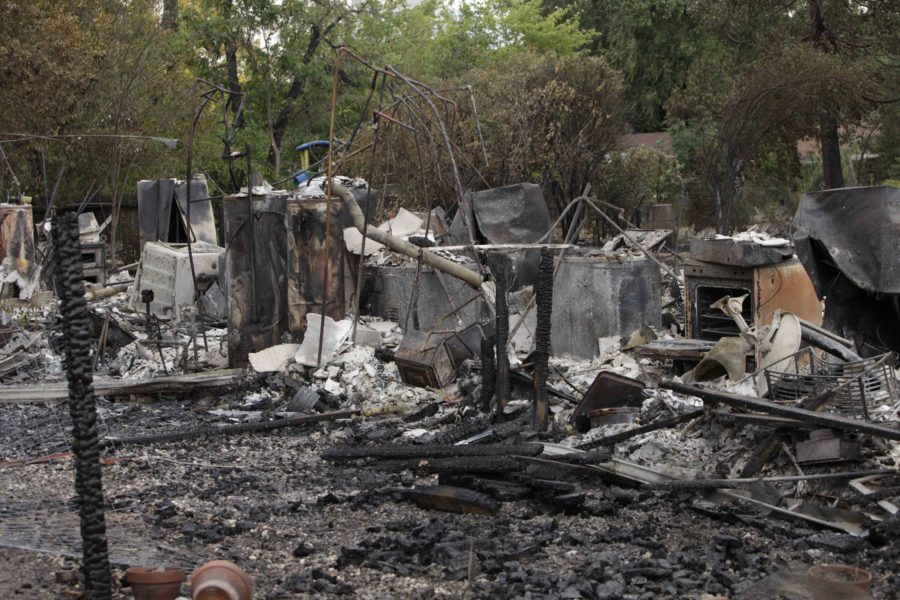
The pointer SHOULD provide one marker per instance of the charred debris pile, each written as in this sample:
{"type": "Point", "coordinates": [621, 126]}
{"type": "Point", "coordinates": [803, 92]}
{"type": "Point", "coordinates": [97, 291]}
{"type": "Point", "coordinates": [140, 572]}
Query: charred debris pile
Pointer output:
{"type": "Point", "coordinates": [484, 361]}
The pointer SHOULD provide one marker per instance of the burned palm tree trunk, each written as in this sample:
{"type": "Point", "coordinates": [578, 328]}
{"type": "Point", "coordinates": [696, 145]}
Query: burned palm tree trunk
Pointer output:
{"type": "Point", "coordinates": [503, 385]}
{"type": "Point", "coordinates": [82, 407]}
{"type": "Point", "coordinates": [542, 340]}
{"type": "Point", "coordinates": [488, 373]}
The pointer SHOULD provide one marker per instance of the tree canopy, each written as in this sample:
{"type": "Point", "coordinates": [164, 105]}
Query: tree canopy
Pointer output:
{"type": "Point", "coordinates": [94, 91]}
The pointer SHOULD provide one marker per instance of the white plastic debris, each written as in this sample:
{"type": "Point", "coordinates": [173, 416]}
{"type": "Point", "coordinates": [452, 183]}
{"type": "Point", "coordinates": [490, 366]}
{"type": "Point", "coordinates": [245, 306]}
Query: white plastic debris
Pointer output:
{"type": "Point", "coordinates": [273, 358]}
{"type": "Point", "coordinates": [336, 334]}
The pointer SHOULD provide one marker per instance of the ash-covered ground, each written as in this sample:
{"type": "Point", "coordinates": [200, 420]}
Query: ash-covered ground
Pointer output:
{"type": "Point", "coordinates": [304, 527]}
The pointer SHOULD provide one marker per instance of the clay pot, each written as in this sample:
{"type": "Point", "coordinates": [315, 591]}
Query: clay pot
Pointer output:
{"type": "Point", "coordinates": [150, 584]}
{"type": "Point", "coordinates": [220, 580]}
{"type": "Point", "coordinates": [842, 574]}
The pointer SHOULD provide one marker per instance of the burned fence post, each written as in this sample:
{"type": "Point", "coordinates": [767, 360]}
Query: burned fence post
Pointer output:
{"type": "Point", "coordinates": [82, 407]}
{"type": "Point", "coordinates": [502, 381]}
{"type": "Point", "coordinates": [488, 372]}
{"type": "Point", "coordinates": [544, 296]}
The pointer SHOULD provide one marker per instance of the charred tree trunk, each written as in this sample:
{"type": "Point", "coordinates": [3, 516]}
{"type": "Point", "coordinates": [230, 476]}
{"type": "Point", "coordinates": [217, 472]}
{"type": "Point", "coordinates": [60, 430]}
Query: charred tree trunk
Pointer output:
{"type": "Point", "coordinates": [829, 139]}
{"type": "Point", "coordinates": [725, 193]}
{"type": "Point", "coordinates": [832, 171]}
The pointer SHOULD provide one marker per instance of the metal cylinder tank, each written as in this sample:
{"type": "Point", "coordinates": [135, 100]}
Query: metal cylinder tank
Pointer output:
{"type": "Point", "coordinates": [596, 296]}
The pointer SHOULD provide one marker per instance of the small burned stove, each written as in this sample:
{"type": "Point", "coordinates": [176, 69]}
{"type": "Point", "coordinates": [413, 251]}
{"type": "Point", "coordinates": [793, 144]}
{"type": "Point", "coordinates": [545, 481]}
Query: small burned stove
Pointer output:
{"type": "Point", "coordinates": [771, 278]}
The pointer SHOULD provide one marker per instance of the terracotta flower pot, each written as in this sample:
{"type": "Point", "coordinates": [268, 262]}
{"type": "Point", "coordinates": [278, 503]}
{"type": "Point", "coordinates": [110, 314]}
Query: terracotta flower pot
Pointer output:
{"type": "Point", "coordinates": [150, 584]}
{"type": "Point", "coordinates": [842, 574]}
{"type": "Point", "coordinates": [220, 580]}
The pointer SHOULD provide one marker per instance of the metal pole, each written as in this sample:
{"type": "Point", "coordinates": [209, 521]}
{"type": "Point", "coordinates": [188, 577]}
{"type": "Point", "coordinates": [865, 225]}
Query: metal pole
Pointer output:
{"type": "Point", "coordinates": [328, 191]}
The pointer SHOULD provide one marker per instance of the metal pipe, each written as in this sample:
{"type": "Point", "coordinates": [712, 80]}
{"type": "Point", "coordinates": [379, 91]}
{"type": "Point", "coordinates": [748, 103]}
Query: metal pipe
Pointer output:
{"type": "Point", "coordinates": [473, 278]}
{"type": "Point", "coordinates": [328, 195]}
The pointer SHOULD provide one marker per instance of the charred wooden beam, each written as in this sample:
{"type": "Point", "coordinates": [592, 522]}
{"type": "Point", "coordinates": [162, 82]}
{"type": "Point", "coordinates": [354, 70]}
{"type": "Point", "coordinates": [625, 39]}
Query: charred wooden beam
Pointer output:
{"type": "Point", "coordinates": [501, 280]}
{"type": "Point", "coordinates": [488, 373]}
{"type": "Point", "coordinates": [400, 451]}
{"type": "Point", "coordinates": [541, 411]}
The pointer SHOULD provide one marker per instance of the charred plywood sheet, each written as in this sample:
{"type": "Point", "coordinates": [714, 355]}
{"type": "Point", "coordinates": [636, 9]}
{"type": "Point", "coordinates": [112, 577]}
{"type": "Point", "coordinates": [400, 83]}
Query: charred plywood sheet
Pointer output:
{"type": "Point", "coordinates": [255, 274]}
{"type": "Point", "coordinates": [513, 214]}
{"type": "Point", "coordinates": [847, 241]}
{"type": "Point", "coordinates": [307, 285]}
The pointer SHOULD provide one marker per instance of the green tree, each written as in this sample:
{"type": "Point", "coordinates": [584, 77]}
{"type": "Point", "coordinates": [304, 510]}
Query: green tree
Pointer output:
{"type": "Point", "coordinates": [653, 43]}
{"type": "Point", "coordinates": [777, 72]}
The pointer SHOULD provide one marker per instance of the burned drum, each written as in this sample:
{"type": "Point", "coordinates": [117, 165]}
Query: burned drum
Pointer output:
{"type": "Point", "coordinates": [315, 273]}
{"type": "Point", "coordinates": [595, 297]}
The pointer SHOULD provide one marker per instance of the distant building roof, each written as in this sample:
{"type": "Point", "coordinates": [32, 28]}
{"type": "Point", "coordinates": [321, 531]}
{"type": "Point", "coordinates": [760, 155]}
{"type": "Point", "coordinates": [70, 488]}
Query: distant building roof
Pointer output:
{"type": "Point", "coordinates": [661, 140]}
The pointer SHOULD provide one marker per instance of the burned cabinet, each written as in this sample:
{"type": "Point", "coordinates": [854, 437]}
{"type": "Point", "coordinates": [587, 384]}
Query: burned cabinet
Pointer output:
{"type": "Point", "coordinates": [783, 285]}
{"type": "Point", "coordinates": [314, 276]}
{"type": "Point", "coordinates": [423, 360]}
{"type": "Point", "coordinates": [255, 273]}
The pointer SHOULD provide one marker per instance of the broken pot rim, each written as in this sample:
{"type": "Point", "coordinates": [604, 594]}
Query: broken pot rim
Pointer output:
{"type": "Point", "coordinates": [861, 578]}
{"type": "Point", "coordinates": [149, 575]}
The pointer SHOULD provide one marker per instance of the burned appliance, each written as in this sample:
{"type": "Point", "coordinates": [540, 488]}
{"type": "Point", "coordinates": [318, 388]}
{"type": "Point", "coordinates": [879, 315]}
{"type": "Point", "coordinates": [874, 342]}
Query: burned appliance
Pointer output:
{"type": "Point", "coordinates": [783, 284]}
{"type": "Point", "coordinates": [19, 272]}
{"type": "Point", "coordinates": [167, 270]}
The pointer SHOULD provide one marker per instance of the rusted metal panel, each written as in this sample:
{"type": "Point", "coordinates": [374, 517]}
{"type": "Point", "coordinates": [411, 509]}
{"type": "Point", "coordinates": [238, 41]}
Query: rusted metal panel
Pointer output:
{"type": "Point", "coordinates": [307, 286]}
{"type": "Point", "coordinates": [465, 344]}
{"type": "Point", "coordinates": [738, 253]}
{"type": "Point", "coordinates": [255, 274]}
{"type": "Point", "coordinates": [17, 250]}
{"type": "Point", "coordinates": [787, 286]}
{"type": "Point", "coordinates": [609, 390]}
